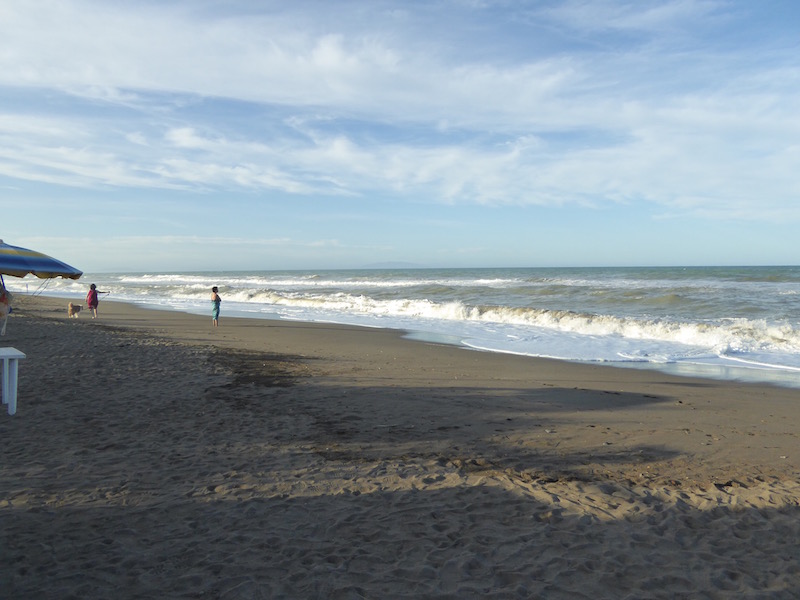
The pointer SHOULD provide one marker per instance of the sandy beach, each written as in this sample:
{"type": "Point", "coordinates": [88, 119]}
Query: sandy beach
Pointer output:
{"type": "Point", "coordinates": [153, 456]}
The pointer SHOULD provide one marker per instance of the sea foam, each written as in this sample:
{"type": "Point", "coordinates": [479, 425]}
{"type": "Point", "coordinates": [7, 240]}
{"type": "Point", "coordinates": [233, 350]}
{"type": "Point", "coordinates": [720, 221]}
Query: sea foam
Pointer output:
{"type": "Point", "coordinates": [706, 317]}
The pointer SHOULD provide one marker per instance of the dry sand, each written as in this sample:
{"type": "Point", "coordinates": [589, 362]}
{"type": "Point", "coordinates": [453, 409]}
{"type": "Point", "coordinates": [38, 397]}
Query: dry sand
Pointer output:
{"type": "Point", "coordinates": [155, 457]}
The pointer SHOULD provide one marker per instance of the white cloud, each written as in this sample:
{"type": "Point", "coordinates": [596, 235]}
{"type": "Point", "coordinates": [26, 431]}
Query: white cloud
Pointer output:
{"type": "Point", "coordinates": [633, 16]}
{"type": "Point", "coordinates": [186, 137]}
{"type": "Point", "coordinates": [704, 131]}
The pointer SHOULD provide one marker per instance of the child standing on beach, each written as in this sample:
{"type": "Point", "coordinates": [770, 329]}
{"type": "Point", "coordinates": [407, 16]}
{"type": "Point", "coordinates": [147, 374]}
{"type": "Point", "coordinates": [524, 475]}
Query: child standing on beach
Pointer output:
{"type": "Point", "coordinates": [92, 299]}
{"type": "Point", "coordinates": [215, 301]}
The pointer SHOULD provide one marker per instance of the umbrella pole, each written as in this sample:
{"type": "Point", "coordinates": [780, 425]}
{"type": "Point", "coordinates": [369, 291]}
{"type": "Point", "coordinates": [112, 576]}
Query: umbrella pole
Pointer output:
{"type": "Point", "coordinates": [5, 316]}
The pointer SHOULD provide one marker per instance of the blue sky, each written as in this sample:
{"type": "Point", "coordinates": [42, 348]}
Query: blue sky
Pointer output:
{"type": "Point", "coordinates": [165, 135]}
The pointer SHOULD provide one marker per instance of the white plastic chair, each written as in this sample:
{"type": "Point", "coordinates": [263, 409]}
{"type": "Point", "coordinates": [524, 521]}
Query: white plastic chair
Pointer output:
{"type": "Point", "coordinates": [10, 358]}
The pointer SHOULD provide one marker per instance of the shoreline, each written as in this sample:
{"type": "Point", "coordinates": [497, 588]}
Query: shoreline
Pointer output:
{"type": "Point", "coordinates": [363, 356]}
{"type": "Point", "coordinates": [290, 459]}
{"type": "Point", "coordinates": [736, 374]}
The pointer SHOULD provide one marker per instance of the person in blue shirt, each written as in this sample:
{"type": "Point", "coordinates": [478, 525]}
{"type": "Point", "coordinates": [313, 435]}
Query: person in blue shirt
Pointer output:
{"type": "Point", "coordinates": [215, 302]}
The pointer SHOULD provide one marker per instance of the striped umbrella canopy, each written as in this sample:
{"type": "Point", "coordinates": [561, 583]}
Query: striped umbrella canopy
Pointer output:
{"type": "Point", "coordinates": [18, 262]}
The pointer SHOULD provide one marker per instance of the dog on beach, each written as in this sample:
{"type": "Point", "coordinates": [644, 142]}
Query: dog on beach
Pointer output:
{"type": "Point", "coordinates": [73, 310]}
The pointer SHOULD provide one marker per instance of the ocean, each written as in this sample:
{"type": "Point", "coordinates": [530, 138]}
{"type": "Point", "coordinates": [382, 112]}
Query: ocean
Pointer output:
{"type": "Point", "coordinates": [736, 323]}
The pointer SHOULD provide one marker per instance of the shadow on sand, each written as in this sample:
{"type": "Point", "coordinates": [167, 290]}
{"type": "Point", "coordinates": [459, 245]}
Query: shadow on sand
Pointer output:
{"type": "Point", "coordinates": [175, 473]}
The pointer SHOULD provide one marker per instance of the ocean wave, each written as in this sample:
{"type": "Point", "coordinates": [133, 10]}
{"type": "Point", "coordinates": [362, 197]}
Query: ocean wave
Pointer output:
{"type": "Point", "coordinates": [723, 336]}
{"type": "Point", "coordinates": [644, 315]}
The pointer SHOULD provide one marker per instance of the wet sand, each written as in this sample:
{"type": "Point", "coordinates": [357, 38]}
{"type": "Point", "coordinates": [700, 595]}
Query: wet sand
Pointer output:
{"type": "Point", "coordinates": [153, 456]}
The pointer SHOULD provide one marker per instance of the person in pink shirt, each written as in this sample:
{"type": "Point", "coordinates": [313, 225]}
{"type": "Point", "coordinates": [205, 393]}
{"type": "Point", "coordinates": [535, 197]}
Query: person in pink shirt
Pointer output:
{"type": "Point", "coordinates": [92, 299]}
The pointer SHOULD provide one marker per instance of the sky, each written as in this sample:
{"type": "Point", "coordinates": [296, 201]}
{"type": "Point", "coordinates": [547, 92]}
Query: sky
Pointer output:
{"type": "Point", "coordinates": [172, 135]}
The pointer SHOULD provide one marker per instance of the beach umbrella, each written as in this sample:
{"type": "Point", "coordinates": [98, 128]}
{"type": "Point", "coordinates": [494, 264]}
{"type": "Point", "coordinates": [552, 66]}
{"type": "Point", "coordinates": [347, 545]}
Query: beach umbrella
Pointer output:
{"type": "Point", "coordinates": [21, 261]}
